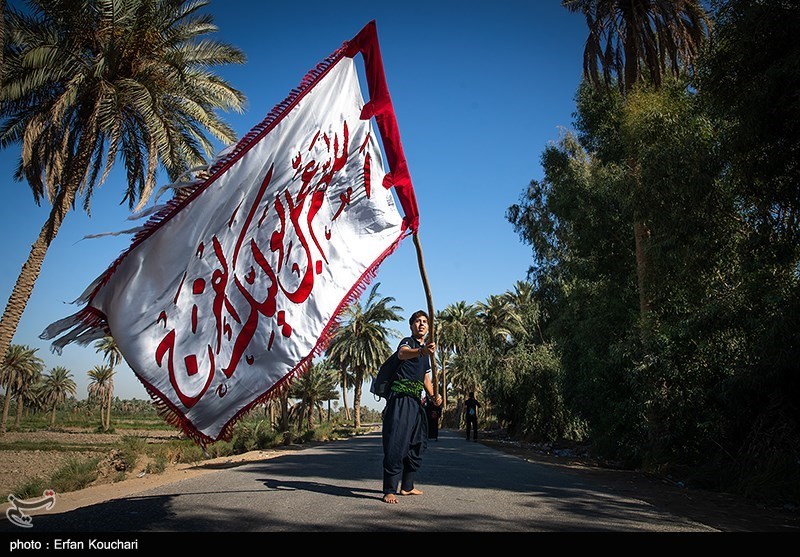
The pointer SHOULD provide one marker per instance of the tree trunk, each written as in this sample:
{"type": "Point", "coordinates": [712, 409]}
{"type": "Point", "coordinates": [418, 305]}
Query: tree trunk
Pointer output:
{"type": "Point", "coordinates": [53, 415]}
{"type": "Point", "coordinates": [655, 420]}
{"type": "Point", "coordinates": [20, 399]}
{"type": "Point", "coordinates": [444, 385]}
{"type": "Point", "coordinates": [641, 233]}
{"type": "Point", "coordinates": [284, 425]}
{"type": "Point", "coordinates": [73, 176]}
{"type": "Point", "coordinates": [344, 401]}
{"type": "Point", "coordinates": [6, 404]}
{"type": "Point", "coordinates": [357, 399]}
{"type": "Point", "coordinates": [108, 410]}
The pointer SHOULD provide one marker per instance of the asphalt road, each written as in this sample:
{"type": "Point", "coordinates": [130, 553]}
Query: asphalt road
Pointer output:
{"type": "Point", "coordinates": [336, 487]}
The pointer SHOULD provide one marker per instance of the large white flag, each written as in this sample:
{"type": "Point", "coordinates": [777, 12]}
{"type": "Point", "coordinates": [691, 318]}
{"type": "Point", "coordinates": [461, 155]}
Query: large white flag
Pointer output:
{"type": "Point", "coordinates": [226, 295]}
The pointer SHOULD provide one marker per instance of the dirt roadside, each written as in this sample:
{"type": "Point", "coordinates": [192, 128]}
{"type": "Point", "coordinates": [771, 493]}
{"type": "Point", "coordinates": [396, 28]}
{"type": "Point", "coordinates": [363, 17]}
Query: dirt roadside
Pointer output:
{"type": "Point", "coordinates": [17, 466]}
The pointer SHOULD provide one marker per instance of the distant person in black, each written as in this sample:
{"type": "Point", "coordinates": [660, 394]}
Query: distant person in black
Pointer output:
{"type": "Point", "coordinates": [433, 411]}
{"type": "Point", "coordinates": [405, 427]}
{"type": "Point", "coordinates": [471, 415]}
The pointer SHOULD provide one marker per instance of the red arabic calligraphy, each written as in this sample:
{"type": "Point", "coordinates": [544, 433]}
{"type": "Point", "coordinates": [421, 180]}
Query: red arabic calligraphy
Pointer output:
{"type": "Point", "coordinates": [247, 287]}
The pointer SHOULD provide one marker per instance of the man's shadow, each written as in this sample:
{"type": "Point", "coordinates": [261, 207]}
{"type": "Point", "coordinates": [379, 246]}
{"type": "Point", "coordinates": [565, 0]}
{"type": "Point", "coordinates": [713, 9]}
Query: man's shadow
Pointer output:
{"type": "Point", "coordinates": [327, 489]}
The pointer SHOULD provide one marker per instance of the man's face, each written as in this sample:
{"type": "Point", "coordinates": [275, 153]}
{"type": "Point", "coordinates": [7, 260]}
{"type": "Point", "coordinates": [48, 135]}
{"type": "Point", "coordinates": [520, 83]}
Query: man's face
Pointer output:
{"type": "Point", "coordinates": [419, 326]}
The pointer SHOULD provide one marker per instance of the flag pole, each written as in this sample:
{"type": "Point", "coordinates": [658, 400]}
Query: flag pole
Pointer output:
{"type": "Point", "coordinates": [429, 298]}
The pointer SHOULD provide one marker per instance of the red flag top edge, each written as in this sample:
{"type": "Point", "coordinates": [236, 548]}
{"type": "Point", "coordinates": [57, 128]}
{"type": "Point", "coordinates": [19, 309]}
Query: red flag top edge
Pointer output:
{"type": "Point", "coordinates": [380, 106]}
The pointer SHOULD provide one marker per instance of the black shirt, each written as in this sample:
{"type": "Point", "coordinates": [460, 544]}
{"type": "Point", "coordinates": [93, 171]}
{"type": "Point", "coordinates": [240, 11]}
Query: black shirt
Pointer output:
{"type": "Point", "coordinates": [413, 369]}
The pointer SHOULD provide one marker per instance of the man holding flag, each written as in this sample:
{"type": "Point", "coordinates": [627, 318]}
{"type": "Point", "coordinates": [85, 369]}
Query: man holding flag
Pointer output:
{"type": "Point", "coordinates": [405, 427]}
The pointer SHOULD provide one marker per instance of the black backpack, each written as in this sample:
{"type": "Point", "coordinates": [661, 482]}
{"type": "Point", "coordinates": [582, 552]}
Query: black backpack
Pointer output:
{"type": "Point", "coordinates": [382, 382]}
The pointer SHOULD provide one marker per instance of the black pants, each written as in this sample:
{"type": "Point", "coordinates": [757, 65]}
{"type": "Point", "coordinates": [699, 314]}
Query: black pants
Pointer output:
{"type": "Point", "coordinates": [473, 421]}
{"type": "Point", "coordinates": [405, 437]}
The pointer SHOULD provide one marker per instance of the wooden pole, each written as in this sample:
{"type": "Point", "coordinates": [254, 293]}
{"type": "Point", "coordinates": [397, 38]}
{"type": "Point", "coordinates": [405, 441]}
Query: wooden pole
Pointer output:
{"type": "Point", "coordinates": [429, 298]}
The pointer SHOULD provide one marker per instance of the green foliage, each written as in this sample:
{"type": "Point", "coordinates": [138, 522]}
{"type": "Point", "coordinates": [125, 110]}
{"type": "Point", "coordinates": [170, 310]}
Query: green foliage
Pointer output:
{"type": "Point", "coordinates": [27, 445]}
{"type": "Point", "coordinates": [175, 452]}
{"type": "Point", "coordinates": [266, 438]}
{"type": "Point", "coordinates": [243, 438]}
{"type": "Point", "coordinates": [74, 475]}
{"type": "Point", "coordinates": [324, 432]}
{"type": "Point", "coordinates": [132, 447]}
{"type": "Point", "coordinates": [72, 413]}
{"type": "Point", "coordinates": [525, 390]}
{"type": "Point", "coordinates": [706, 382]}
{"type": "Point", "coordinates": [250, 435]}
{"type": "Point", "coordinates": [157, 465]}
{"type": "Point", "coordinates": [220, 448]}
{"type": "Point", "coordinates": [748, 80]}
{"type": "Point", "coordinates": [314, 387]}
{"type": "Point", "coordinates": [30, 488]}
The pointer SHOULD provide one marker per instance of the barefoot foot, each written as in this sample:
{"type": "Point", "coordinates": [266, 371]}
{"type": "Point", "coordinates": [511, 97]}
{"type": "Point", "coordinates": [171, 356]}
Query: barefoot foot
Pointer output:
{"type": "Point", "coordinates": [414, 491]}
{"type": "Point", "coordinates": [390, 498]}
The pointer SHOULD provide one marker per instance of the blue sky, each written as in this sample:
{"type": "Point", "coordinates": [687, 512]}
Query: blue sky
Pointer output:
{"type": "Point", "coordinates": [479, 89]}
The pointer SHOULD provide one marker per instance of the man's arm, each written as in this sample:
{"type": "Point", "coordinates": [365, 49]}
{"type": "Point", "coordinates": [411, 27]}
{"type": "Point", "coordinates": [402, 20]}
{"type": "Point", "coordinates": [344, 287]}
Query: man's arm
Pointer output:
{"type": "Point", "coordinates": [407, 353]}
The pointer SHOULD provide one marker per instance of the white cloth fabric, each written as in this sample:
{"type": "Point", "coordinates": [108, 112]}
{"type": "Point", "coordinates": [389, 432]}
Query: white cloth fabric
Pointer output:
{"type": "Point", "coordinates": [235, 292]}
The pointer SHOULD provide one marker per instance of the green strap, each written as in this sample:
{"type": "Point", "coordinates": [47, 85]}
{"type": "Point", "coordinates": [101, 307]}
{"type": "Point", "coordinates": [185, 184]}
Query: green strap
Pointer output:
{"type": "Point", "coordinates": [407, 387]}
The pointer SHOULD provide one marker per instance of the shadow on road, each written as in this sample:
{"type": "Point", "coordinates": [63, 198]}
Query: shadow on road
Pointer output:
{"type": "Point", "coordinates": [318, 487]}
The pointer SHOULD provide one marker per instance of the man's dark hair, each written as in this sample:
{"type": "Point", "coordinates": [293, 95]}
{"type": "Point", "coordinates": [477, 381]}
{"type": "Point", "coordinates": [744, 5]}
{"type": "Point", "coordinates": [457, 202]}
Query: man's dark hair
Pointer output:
{"type": "Point", "coordinates": [417, 314]}
{"type": "Point", "coordinates": [471, 395]}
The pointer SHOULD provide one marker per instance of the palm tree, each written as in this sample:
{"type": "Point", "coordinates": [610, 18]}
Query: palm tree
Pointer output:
{"type": "Point", "coordinates": [346, 380]}
{"type": "Point", "coordinates": [317, 385]}
{"type": "Point", "coordinates": [2, 34]}
{"type": "Point", "coordinates": [20, 362]}
{"type": "Point", "coordinates": [361, 340]}
{"type": "Point", "coordinates": [34, 398]}
{"type": "Point", "coordinates": [467, 372]}
{"type": "Point", "coordinates": [56, 386]}
{"type": "Point", "coordinates": [500, 319]}
{"type": "Point", "coordinates": [634, 39]}
{"type": "Point", "coordinates": [102, 388]}
{"type": "Point", "coordinates": [523, 300]}
{"type": "Point", "coordinates": [453, 325]}
{"type": "Point", "coordinates": [346, 376]}
{"type": "Point", "coordinates": [111, 354]}
{"type": "Point", "coordinates": [88, 81]}
{"type": "Point", "coordinates": [108, 347]}
{"type": "Point", "coordinates": [466, 376]}
{"type": "Point", "coordinates": [26, 383]}
{"type": "Point", "coordinates": [630, 40]}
